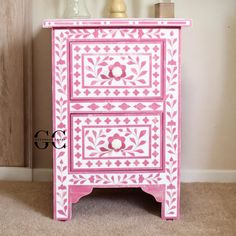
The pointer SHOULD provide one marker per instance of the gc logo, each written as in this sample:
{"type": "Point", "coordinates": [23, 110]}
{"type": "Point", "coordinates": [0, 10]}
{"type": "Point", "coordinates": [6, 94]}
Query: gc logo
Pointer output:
{"type": "Point", "coordinates": [43, 143]}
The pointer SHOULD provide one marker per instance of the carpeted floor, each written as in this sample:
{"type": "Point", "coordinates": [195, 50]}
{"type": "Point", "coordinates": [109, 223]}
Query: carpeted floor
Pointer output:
{"type": "Point", "coordinates": [207, 209]}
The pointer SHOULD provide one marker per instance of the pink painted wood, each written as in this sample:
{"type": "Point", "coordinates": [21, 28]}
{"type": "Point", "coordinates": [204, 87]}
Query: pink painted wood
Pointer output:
{"type": "Point", "coordinates": [116, 93]}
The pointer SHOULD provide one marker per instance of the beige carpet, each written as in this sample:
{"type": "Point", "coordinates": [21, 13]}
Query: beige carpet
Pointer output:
{"type": "Point", "coordinates": [207, 209]}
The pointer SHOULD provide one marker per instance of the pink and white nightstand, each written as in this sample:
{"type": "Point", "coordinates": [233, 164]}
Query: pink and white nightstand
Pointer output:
{"type": "Point", "coordinates": [116, 94]}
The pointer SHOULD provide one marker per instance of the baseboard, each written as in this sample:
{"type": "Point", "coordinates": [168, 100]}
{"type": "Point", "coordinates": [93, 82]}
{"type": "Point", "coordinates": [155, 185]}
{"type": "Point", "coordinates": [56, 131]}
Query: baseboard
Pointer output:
{"type": "Point", "coordinates": [212, 176]}
{"type": "Point", "coordinates": [15, 174]}
{"type": "Point", "coordinates": [187, 176]}
{"type": "Point", "coordinates": [42, 175]}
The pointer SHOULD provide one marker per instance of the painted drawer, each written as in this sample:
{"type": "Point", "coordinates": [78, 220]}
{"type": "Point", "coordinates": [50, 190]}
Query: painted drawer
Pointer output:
{"type": "Point", "coordinates": [116, 141]}
{"type": "Point", "coordinates": [117, 68]}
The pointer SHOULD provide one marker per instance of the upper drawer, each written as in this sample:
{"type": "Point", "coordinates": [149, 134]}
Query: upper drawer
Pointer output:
{"type": "Point", "coordinates": [116, 69]}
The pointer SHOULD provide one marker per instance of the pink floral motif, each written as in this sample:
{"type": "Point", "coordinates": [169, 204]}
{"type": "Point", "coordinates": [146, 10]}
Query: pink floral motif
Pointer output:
{"type": "Point", "coordinates": [129, 142]}
{"type": "Point", "coordinates": [117, 71]}
{"type": "Point", "coordinates": [116, 142]}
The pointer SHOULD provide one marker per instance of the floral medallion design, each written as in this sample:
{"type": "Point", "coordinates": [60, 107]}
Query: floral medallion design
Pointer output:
{"type": "Point", "coordinates": [121, 135]}
{"type": "Point", "coordinates": [116, 143]}
{"type": "Point", "coordinates": [117, 71]}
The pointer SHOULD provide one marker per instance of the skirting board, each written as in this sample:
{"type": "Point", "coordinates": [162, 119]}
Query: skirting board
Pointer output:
{"type": "Point", "coordinates": [187, 176]}
{"type": "Point", "coordinates": [15, 174]}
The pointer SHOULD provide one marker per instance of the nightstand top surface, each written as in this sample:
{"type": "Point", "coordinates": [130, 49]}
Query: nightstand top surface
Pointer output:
{"type": "Point", "coordinates": [109, 22]}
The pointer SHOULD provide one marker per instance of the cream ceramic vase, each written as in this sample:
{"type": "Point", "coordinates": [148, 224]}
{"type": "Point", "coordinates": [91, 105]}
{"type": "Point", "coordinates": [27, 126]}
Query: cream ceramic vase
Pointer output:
{"type": "Point", "coordinates": [118, 9]}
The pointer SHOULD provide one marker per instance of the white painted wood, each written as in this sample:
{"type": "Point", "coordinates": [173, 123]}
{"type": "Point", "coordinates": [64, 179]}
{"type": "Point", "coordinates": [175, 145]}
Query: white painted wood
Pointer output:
{"type": "Point", "coordinates": [15, 174]}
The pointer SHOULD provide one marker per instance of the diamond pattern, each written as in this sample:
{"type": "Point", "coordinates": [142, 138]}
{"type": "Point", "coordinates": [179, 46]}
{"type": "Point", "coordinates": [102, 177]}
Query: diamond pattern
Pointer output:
{"type": "Point", "coordinates": [146, 92]}
{"type": "Point", "coordinates": [127, 163]}
{"type": "Point", "coordinates": [136, 92]}
{"type": "Point", "coordinates": [145, 120]}
{"type": "Point", "coordinates": [88, 121]}
{"type": "Point", "coordinates": [156, 83]}
{"type": "Point", "coordinates": [89, 164]}
{"type": "Point", "coordinates": [87, 92]}
{"type": "Point", "coordinates": [96, 49]}
{"type": "Point", "coordinates": [77, 146]}
{"type": "Point", "coordinates": [155, 145]}
{"type": "Point", "coordinates": [156, 48]}
{"type": "Point", "coordinates": [118, 163]}
{"type": "Point", "coordinates": [98, 163]}
{"type": "Point", "coordinates": [78, 155]}
{"type": "Point", "coordinates": [127, 120]}
{"type": "Point", "coordinates": [108, 121]}
{"type": "Point", "coordinates": [136, 162]}
{"type": "Point", "coordinates": [155, 162]}
{"type": "Point", "coordinates": [77, 57]}
{"type": "Point", "coordinates": [136, 48]}
{"type": "Point", "coordinates": [97, 92]}
{"type": "Point", "coordinates": [76, 83]}
{"type": "Point", "coordinates": [136, 120]}
{"type": "Point", "coordinates": [116, 48]}
{"type": "Point", "coordinates": [155, 129]}
{"type": "Point", "coordinates": [79, 164]}
{"type": "Point", "coordinates": [126, 92]}
{"type": "Point", "coordinates": [107, 49]}
{"type": "Point", "coordinates": [77, 106]}
{"type": "Point", "coordinates": [154, 106]}
{"type": "Point", "coordinates": [155, 75]}
{"type": "Point", "coordinates": [107, 92]}
{"type": "Point", "coordinates": [98, 121]}
{"type": "Point", "coordinates": [77, 49]}
{"type": "Point", "coordinates": [126, 48]}
{"type": "Point", "coordinates": [77, 138]}
{"type": "Point", "coordinates": [139, 106]}
{"type": "Point", "coordinates": [117, 120]}
{"type": "Point", "coordinates": [117, 92]}
{"type": "Point", "coordinates": [87, 49]}
{"type": "Point", "coordinates": [108, 106]}
{"type": "Point", "coordinates": [108, 163]}
{"type": "Point", "coordinates": [124, 106]}
{"type": "Point", "coordinates": [145, 162]}
{"type": "Point", "coordinates": [93, 107]}
{"type": "Point", "coordinates": [155, 137]}
{"type": "Point", "coordinates": [146, 48]}
{"type": "Point", "coordinates": [77, 129]}
{"type": "Point", "coordinates": [77, 66]}
{"type": "Point", "coordinates": [156, 66]}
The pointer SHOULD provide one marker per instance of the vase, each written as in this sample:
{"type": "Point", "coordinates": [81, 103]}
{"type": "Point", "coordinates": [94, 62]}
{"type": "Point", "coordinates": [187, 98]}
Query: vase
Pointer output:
{"type": "Point", "coordinates": [76, 9]}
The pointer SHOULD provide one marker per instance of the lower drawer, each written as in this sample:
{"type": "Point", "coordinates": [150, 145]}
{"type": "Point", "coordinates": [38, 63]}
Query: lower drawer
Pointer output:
{"type": "Point", "coordinates": [115, 141]}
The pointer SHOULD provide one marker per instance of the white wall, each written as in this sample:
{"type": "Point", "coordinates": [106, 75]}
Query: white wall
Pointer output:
{"type": "Point", "coordinates": [209, 77]}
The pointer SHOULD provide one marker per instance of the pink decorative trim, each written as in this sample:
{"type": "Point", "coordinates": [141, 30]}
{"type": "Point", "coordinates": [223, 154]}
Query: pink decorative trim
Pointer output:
{"type": "Point", "coordinates": [59, 23]}
{"type": "Point", "coordinates": [116, 106]}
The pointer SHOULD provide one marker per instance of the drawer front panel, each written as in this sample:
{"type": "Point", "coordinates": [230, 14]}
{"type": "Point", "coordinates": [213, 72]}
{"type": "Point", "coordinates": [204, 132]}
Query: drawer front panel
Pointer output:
{"type": "Point", "coordinates": [116, 69]}
{"type": "Point", "coordinates": [120, 142]}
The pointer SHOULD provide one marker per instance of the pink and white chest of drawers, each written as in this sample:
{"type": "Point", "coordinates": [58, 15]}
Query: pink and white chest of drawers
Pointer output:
{"type": "Point", "coordinates": [116, 94]}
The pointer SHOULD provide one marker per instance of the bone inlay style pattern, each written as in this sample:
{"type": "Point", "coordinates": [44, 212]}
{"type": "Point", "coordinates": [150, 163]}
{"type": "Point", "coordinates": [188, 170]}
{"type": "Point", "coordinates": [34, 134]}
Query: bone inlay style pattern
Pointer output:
{"type": "Point", "coordinates": [116, 94]}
